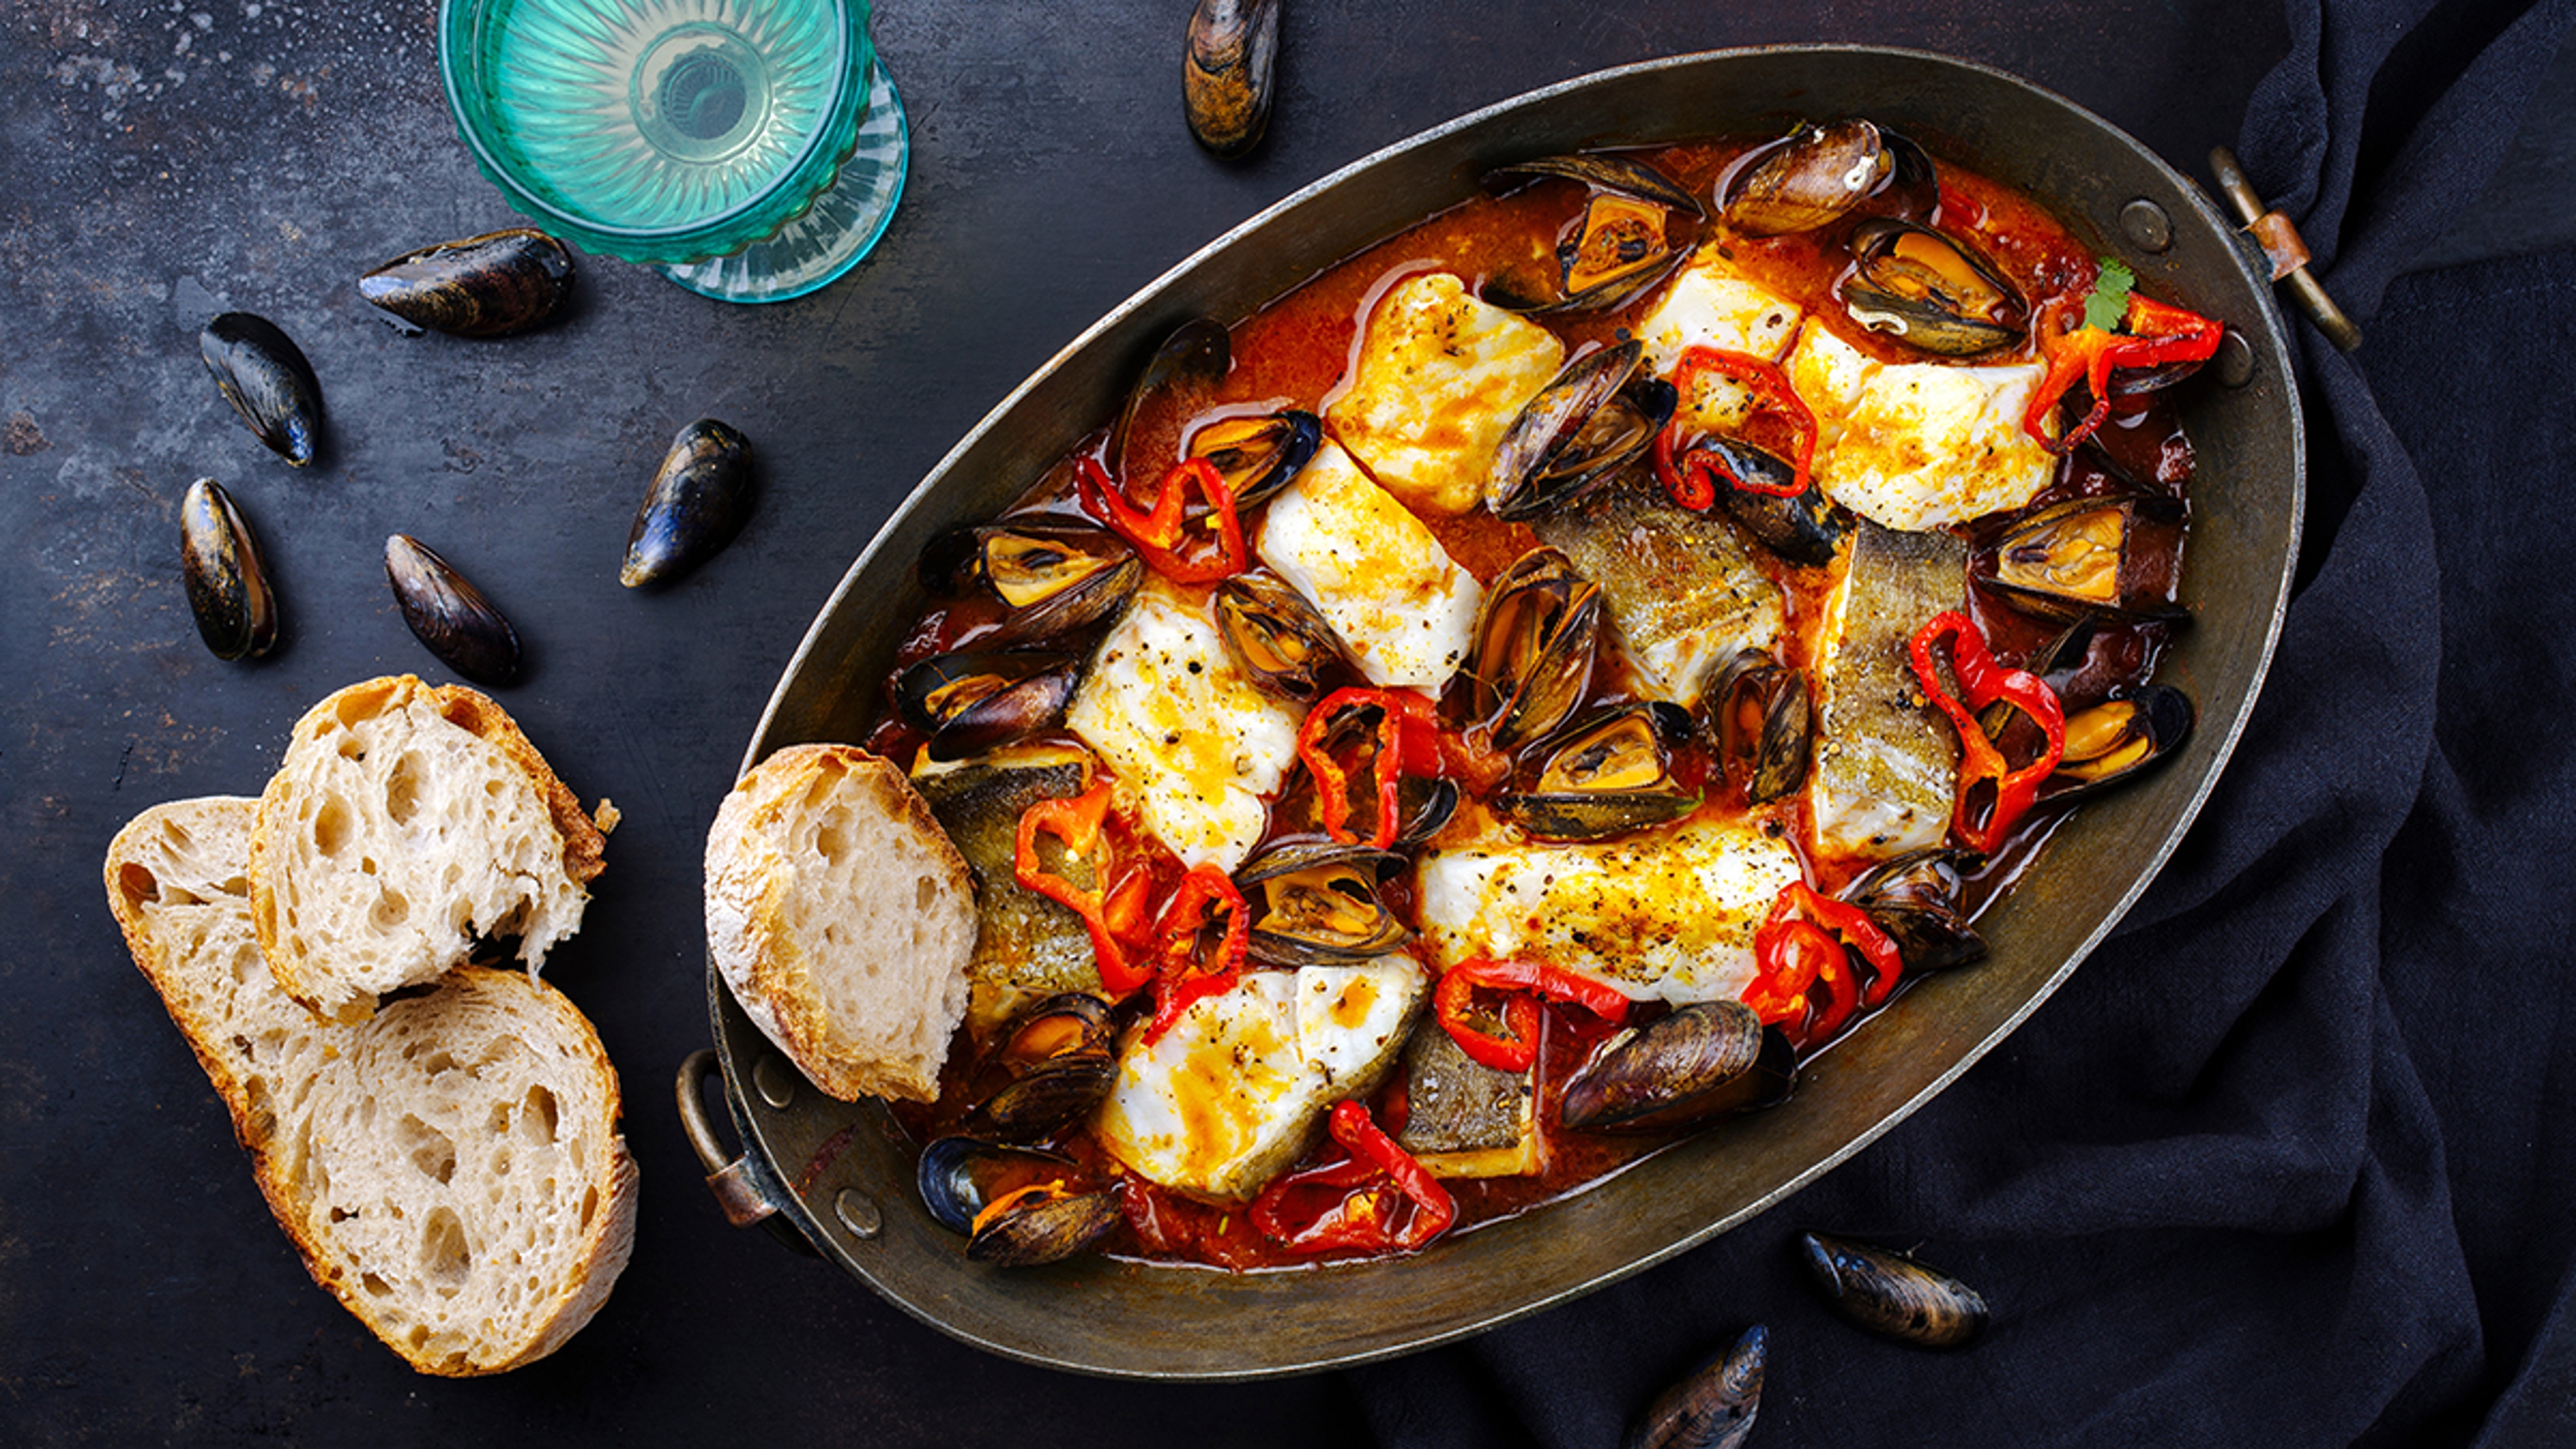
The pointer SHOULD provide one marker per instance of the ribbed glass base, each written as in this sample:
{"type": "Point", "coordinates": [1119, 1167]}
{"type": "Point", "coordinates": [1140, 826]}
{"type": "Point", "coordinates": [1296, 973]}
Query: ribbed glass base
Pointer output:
{"type": "Point", "coordinates": [836, 233]}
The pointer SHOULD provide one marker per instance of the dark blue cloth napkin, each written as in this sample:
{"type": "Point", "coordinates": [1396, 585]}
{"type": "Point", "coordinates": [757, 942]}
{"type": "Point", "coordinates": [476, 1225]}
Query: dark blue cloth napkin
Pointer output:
{"type": "Point", "coordinates": [2292, 1159]}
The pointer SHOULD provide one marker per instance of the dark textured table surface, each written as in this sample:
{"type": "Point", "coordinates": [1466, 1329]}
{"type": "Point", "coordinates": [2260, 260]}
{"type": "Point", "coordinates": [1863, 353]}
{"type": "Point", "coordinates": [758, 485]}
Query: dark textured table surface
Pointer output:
{"type": "Point", "coordinates": [160, 163]}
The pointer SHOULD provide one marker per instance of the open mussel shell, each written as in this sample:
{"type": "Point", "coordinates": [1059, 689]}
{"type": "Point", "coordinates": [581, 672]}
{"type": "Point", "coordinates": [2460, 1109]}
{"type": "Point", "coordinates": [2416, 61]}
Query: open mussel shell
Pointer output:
{"type": "Point", "coordinates": [1197, 350]}
{"type": "Point", "coordinates": [1623, 248]}
{"type": "Point", "coordinates": [1057, 578]}
{"type": "Point", "coordinates": [1606, 774]}
{"type": "Point", "coordinates": [697, 502]}
{"type": "Point", "coordinates": [227, 584]}
{"type": "Point", "coordinates": [1702, 1061]}
{"type": "Point", "coordinates": [1761, 715]}
{"type": "Point", "coordinates": [1915, 898]}
{"type": "Point", "coordinates": [1800, 527]}
{"type": "Point", "coordinates": [1260, 454]}
{"type": "Point", "coordinates": [1711, 1408]}
{"type": "Point", "coordinates": [482, 286]}
{"type": "Point", "coordinates": [1586, 424]}
{"type": "Point", "coordinates": [1892, 1295]}
{"type": "Point", "coordinates": [960, 1177]}
{"type": "Point", "coordinates": [1930, 290]}
{"type": "Point", "coordinates": [1317, 904]}
{"type": "Point", "coordinates": [1818, 174]}
{"type": "Point", "coordinates": [262, 373]}
{"type": "Point", "coordinates": [1279, 640]}
{"type": "Point", "coordinates": [2106, 557]}
{"type": "Point", "coordinates": [971, 703]}
{"type": "Point", "coordinates": [1604, 172]}
{"type": "Point", "coordinates": [1058, 1057]}
{"type": "Point", "coordinates": [1229, 73]}
{"type": "Point", "coordinates": [1534, 641]}
{"type": "Point", "coordinates": [2116, 740]}
{"type": "Point", "coordinates": [449, 615]}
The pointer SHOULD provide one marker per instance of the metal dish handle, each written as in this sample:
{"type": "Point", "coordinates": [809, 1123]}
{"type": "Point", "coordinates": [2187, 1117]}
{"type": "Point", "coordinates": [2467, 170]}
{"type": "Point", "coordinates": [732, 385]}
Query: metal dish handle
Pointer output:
{"type": "Point", "coordinates": [743, 1186]}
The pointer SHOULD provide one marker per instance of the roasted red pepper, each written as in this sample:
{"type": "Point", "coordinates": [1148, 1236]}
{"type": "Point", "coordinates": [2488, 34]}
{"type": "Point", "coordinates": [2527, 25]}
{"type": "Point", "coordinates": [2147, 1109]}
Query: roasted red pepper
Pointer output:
{"type": "Point", "coordinates": [1188, 967]}
{"type": "Point", "coordinates": [1366, 1188]}
{"type": "Point", "coordinates": [1981, 764]}
{"type": "Point", "coordinates": [2151, 334]}
{"type": "Point", "coordinates": [1516, 1048]}
{"type": "Point", "coordinates": [1691, 477]}
{"type": "Point", "coordinates": [1075, 820]}
{"type": "Point", "coordinates": [1806, 943]}
{"type": "Point", "coordinates": [1408, 743]}
{"type": "Point", "coordinates": [1159, 530]}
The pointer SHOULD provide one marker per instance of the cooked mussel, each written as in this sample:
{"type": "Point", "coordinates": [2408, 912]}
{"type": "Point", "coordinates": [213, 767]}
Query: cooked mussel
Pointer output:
{"type": "Point", "coordinates": [1799, 527]}
{"type": "Point", "coordinates": [1930, 290]}
{"type": "Point", "coordinates": [1278, 639]}
{"type": "Point", "coordinates": [974, 702]}
{"type": "Point", "coordinates": [264, 376]}
{"type": "Point", "coordinates": [1915, 898]}
{"type": "Point", "coordinates": [450, 615]}
{"type": "Point", "coordinates": [1197, 350]}
{"type": "Point", "coordinates": [1713, 1407]}
{"type": "Point", "coordinates": [1260, 454]}
{"type": "Point", "coordinates": [1624, 246]}
{"type": "Point", "coordinates": [482, 286]}
{"type": "Point", "coordinates": [1892, 1295]}
{"type": "Point", "coordinates": [1586, 424]}
{"type": "Point", "coordinates": [1057, 1060]}
{"type": "Point", "coordinates": [1535, 637]}
{"type": "Point", "coordinates": [2117, 739]}
{"type": "Point", "coordinates": [697, 502]}
{"type": "Point", "coordinates": [1817, 174]}
{"type": "Point", "coordinates": [2109, 557]}
{"type": "Point", "coordinates": [1760, 714]}
{"type": "Point", "coordinates": [1017, 1205]}
{"type": "Point", "coordinates": [1227, 78]}
{"type": "Point", "coordinates": [1317, 904]}
{"type": "Point", "coordinates": [1701, 1061]}
{"type": "Point", "coordinates": [1606, 774]}
{"type": "Point", "coordinates": [1057, 578]}
{"type": "Point", "coordinates": [227, 585]}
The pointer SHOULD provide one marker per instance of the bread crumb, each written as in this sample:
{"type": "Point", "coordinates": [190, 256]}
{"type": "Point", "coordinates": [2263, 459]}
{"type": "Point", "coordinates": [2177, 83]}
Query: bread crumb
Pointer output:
{"type": "Point", "coordinates": [606, 816]}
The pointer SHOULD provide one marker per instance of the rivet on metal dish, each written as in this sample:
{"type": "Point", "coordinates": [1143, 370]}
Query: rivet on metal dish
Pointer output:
{"type": "Point", "coordinates": [2146, 224]}
{"type": "Point", "coordinates": [2288, 252]}
{"type": "Point", "coordinates": [857, 1212]}
{"type": "Point", "coordinates": [771, 1077]}
{"type": "Point", "coordinates": [2235, 360]}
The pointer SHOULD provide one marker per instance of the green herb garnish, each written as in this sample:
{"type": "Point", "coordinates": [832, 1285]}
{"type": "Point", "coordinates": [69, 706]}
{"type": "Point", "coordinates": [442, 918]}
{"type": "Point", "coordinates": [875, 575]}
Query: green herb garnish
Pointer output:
{"type": "Point", "coordinates": [2109, 303]}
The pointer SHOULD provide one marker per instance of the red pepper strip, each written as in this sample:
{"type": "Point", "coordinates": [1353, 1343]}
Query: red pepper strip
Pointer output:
{"type": "Point", "coordinates": [1691, 477]}
{"type": "Point", "coordinates": [2153, 334]}
{"type": "Point", "coordinates": [1980, 763]}
{"type": "Point", "coordinates": [1408, 743]}
{"type": "Point", "coordinates": [1185, 975]}
{"type": "Point", "coordinates": [1353, 1220]}
{"type": "Point", "coordinates": [1158, 532]}
{"type": "Point", "coordinates": [1433, 1209]}
{"type": "Point", "coordinates": [1517, 1048]}
{"type": "Point", "coordinates": [1805, 943]}
{"type": "Point", "coordinates": [1075, 820]}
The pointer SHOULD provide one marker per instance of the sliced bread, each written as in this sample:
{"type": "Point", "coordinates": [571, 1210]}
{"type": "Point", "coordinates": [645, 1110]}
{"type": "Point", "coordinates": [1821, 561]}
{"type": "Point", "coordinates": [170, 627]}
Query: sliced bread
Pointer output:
{"type": "Point", "coordinates": [842, 918]}
{"type": "Point", "coordinates": [450, 1168]}
{"type": "Point", "coordinates": [408, 825]}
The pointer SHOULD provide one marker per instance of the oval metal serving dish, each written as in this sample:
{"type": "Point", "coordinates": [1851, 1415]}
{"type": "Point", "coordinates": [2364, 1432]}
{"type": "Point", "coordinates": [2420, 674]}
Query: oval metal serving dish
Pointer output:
{"type": "Point", "coordinates": [1101, 1316]}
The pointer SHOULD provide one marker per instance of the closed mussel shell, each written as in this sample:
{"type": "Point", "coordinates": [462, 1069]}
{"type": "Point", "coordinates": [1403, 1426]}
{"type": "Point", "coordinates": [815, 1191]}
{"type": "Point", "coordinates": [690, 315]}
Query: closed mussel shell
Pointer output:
{"type": "Point", "coordinates": [449, 615]}
{"type": "Point", "coordinates": [1701, 1061]}
{"type": "Point", "coordinates": [1227, 80]}
{"type": "Point", "coordinates": [1711, 1408]}
{"type": "Point", "coordinates": [697, 503]}
{"type": "Point", "coordinates": [1892, 1295]}
{"type": "Point", "coordinates": [481, 286]}
{"type": "Point", "coordinates": [264, 376]}
{"type": "Point", "coordinates": [227, 584]}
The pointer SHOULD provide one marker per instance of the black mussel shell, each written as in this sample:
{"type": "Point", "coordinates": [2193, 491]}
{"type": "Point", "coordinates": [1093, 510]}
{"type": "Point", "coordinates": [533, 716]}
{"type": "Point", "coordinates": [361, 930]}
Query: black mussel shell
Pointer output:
{"type": "Point", "coordinates": [1535, 638]}
{"type": "Point", "coordinates": [1259, 455]}
{"type": "Point", "coordinates": [449, 615]}
{"type": "Point", "coordinates": [1703, 1061]}
{"type": "Point", "coordinates": [1045, 1229]}
{"type": "Point", "coordinates": [1799, 527]}
{"type": "Point", "coordinates": [2118, 739]}
{"type": "Point", "coordinates": [1278, 639]}
{"type": "Point", "coordinates": [1892, 1295]}
{"type": "Point", "coordinates": [483, 286]}
{"type": "Point", "coordinates": [1713, 1407]}
{"type": "Point", "coordinates": [696, 504]}
{"type": "Point", "coordinates": [1930, 290]}
{"type": "Point", "coordinates": [1607, 172]}
{"type": "Point", "coordinates": [1915, 898]}
{"type": "Point", "coordinates": [1817, 174]}
{"type": "Point", "coordinates": [266, 379]}
{"type": "Point", "coordinates": [1059, 1057]}
{"type": "Point", "coordinates": [1227, 78]}
{"type": "Point", "coordinates": [976, 702]}
{"type": "Point", "coordinates": [1198, 348]}
{"type": "Point", "coordinates": [1586, 424]}
{"type": "Point", "coordinates": [959, 1176]}
{"type": "Point", "coordinates": [1057, 578]}
{"type": "Point", "coordinates": [1317, 905]}
{"type": "Point", "coordinates": [1760, 714]}
{"type": "Point", "coordinates": [2105, 557]}
{"type": "Point", "coordinates": [227, 585]}
{"type": "Point", "coordinates": [1623, 247]}
{"type": "Point", "coordinates": [1606, 774]}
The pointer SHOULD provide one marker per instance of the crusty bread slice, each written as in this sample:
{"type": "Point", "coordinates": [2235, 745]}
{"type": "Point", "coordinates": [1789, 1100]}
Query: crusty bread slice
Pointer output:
{"type": "Point", "coordinates": [842, 918]}
{"type": "Point", "coordinates": [450, 1168]}
{"type": "Point", "coordinates": [407, 825]}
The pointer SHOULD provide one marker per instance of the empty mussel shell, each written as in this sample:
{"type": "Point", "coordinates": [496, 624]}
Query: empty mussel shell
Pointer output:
{"type": "Point", "coordinates": [1534, 641]}
{"type": "Point", "coordinates": [1057, 578]}
{"type": "Point", "coordinates": [1930, 290]}
{"type": "Point", "coordinates": [1316, 904]}
{"type": "Point", "coordinates": [227, 584]}
{"type": "Point", "coordinates": [2106, 557]}
{"type": "Point", "coordinates": [1586, 424]}
{"type": "Point", "coordinates": [1604, 171]}
{"type": "Point", "coordinates": [482, 286]}
{"type": "Point", "coordinates": [449, 615]}
{"type": "Point", "coordinates": [1279, 640]}
{"type": "Point", "coordinates": [1760, 712]}
{"type": "Point", "coordinates": [2116, 740]}
{"type": "Point", "coordinates": [1892, 1295]}
{"type": "Point", "coordinates": [1817, 174]}
{"type": "Point", "coordinates": [1606, 774]}
{"type": "Point", "coordinates": [697, 502]}
{"type": "Point", "coordinates": [1915, 898]}
{"type": "Point", "coordinates": [970, 703]}
{"type": "Point", "coordinates": [1016, 1204]}
{"type": "Point", "coordinates": [1702, 1061]}
{"type": "Point", "coordinates": [1227, 77]}
{"type": "Point", "coordinates": [1711, 1408]}
{"type": "Point", "coordinates": [1260, 454]}
{"type": "Point", "coordinates": [266, 379]}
